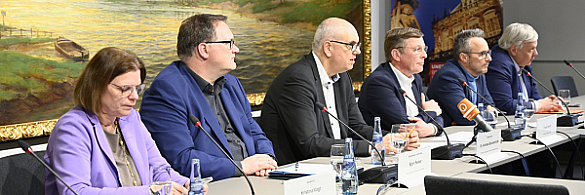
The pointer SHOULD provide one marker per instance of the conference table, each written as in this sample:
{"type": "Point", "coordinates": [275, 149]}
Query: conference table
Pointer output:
{"type": "Point", "coordinates": [459, 168]}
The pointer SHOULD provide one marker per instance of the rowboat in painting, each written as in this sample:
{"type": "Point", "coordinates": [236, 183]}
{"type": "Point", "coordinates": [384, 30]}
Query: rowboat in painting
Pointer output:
{"type": "Point", "coordinates": [71, 50]}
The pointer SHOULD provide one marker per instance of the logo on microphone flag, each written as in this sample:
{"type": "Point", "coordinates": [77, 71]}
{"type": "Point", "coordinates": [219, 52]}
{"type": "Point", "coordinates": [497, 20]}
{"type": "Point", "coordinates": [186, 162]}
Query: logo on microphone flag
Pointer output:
{"type": "Point", "coordinates": [468, 109]}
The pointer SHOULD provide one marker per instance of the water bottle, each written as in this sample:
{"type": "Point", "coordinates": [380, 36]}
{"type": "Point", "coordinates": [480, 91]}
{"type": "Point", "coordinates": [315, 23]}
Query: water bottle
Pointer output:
{"type": "Point", "coordinates": [519, 118]}
{"type": "Point", "coordinates": [196, 185]}
{"type": "Point", "coordinates": [349, 176]}
{"type": "Point", "coordinates": [378, 143]}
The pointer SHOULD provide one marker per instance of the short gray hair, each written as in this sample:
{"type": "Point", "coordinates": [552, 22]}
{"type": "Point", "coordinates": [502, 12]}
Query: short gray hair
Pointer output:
{"type": "Point", "coordinates": [516, 34]}
{"type": "Point", "coordinates": [462, 44]}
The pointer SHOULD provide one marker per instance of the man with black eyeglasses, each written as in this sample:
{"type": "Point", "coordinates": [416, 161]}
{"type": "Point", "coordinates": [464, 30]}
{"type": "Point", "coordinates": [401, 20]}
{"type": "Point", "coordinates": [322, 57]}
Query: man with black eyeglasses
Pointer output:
{"type": "Point", "coordinates": [290, 117]}
{"type": "Point", "coordinates": [199, 85]}
{"type": "Point", "coordinates": [405, 52]}
{"type": "Point", "coordinates": [471, 57]}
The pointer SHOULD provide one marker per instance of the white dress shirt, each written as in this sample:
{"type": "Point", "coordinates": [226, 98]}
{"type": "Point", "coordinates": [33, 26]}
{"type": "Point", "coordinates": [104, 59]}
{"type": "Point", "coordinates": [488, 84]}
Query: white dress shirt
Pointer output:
{"type": "Point", "coordinates": [329, 92]}
{"type": "Point", "coordinates": [406, 85]}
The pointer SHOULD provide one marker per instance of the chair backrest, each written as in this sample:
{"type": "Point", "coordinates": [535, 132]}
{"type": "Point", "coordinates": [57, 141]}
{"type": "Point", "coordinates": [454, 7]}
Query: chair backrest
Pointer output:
{"type": "Point", "coordinates": [438, 185]}
{"type": "Point", "coordinates": [564, 82]}
{"type": "Point", "coordinates": [22, 174]}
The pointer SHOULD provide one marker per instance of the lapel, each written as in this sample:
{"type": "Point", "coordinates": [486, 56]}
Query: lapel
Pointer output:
{"type": "Point", "coordinates": [466, 91]}
{"type": "Point", "coordinates": [234, 116]}
{"type": "Point", "coordinates": [396, 86]}
{"type": "Point", "coordinates": [320, 96]}
{"type": "Point", "coordinates": [102, 142]}
{"type": "Point", "coordinates": [340, 107]}
{"type": "Point", "coordinates": [130, 132]}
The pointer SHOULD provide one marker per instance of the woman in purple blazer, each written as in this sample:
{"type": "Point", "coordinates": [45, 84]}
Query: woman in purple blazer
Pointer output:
{"type": "Point", "coordinates": [101, 146]}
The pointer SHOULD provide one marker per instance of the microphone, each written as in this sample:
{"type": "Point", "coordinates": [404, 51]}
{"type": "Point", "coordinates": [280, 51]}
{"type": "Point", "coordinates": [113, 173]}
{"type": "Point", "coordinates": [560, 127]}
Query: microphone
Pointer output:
{"type": "Point", "coordinates": [446, 152]}
{"type": "Point", "coordinates": [26, 147]}
{"type": "Point", "coordinates": [324, 109]}
{"type": "Point", "coordinates": [571, 65]}
{"type": "Point", "coordinates": [509, 134]}
{"type": "Point", "coordinates": [563, 120]}
{"type": "Point", "coordinates": [197, 123]}
{"type": "Point", "coordinates": [381, 174]}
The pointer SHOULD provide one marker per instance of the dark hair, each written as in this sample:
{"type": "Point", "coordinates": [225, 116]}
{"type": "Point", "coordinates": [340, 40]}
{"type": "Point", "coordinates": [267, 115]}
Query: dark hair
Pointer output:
{"type": "Point", "coordinates": [396, 38]}
{"type": "Point", "coordinates": [462, 44]}
{"type": "Point", "coordinates": [195, 30]}
{"type": "Point", "coordinates": [106, 65]}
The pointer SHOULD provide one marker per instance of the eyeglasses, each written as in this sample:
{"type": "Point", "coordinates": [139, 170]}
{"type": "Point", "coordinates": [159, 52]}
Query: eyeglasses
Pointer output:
{"type": "Point", "coordinates": [231, 42]}
{"type": "Point", "coordinates": [354, 46]}
{"type": "Point", "coordinates": [418, 49]}
{"type": "Point", "coordinates": [128, 89]}
{"type": "Point", "coordinates": [483, 54]}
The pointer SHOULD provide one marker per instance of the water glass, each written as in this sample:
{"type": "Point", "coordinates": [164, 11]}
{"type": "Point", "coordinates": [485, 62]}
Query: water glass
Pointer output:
{"type": "Point", "coordinates": [565, 95]}
{"type": "Point", "coordinates": [399, 135]}
{"type": "Point", "coordinates": [336, 160]}
{"type": "Point", "coordinates": [160, 180]}
{"type": "Point", "coordinates": [528, 113]}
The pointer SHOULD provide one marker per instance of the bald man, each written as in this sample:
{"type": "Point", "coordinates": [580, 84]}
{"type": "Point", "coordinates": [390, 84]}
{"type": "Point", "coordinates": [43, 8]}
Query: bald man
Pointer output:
{"type": "Point", "coordinates": [298, 128]}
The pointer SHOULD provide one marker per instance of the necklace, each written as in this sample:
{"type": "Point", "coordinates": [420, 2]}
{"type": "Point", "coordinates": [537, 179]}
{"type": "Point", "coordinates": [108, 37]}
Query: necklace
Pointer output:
{"type": "Point", "coordinates": [123, 145]}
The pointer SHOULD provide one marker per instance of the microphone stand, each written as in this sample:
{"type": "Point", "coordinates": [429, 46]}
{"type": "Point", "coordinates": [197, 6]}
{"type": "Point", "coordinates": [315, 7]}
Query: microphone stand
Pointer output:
{"type": "Point", "coordinates": [571, 65]}
{"type": "Point", "coordinates": [26, 147]}
{"type": "Point", "coordinates": [508, 134]}
{"type": "Point", "coordinates": [197, 123]}
{"type": "Point", "coordinates": [381, 174]}
{"type": "Point", "coordinates": [567, 120]}
{"type": "Point", "coordinates": [446, 152]}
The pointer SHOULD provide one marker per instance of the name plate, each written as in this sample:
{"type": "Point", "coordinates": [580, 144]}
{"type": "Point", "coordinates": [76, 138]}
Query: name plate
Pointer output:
{"type": "Point", "coordinates": [546, 130]}
{"type": "Point", "coordinates": [413, 166]}
{"type": "Point", "coordinates": [318, 184]}
{"type": "Point", "coordinates": [489, 146]}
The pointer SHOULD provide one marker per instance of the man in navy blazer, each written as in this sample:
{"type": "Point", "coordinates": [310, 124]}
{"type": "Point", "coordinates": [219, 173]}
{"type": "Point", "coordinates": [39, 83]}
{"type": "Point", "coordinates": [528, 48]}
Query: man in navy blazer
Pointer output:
{"type": "Point", "coordinates": [471, 55]}
{"type": "Point", "coordinates": [515, 51]}
{"type": "Point", "coordinates": [405, 52]}
{"type": "Point", "coordinates": [199, 85]}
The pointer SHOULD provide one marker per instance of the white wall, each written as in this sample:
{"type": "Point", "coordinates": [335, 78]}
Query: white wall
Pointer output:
{"type": "Point", "coordinates": [380, 25]}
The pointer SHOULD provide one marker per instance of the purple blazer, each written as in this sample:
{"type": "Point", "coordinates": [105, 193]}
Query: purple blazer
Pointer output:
{"type": "Point", "coordinates": [79, 152]}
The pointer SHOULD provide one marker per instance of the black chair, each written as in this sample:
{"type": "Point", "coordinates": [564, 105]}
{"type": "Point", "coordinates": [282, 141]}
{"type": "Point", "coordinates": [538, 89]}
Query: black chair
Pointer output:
{"type": "Point", "coordinates": [564, 82]}
{"type": "Point", "coordinates": [22, 174]}
{"type": "Point", "coordinates": [438, 185]}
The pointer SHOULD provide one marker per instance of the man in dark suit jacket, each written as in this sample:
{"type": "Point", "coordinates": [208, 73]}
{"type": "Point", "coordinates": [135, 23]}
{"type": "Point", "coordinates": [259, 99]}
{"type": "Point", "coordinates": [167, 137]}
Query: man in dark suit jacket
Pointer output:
{"type": "Point", "coordinates": [405, 52]}
{"type": "Point", "coordinates": [297, 127]}
{"type": "Point", "coordinates": [515, 51]}
{"type": "Point", "coordinates": [199, 85]}
{"type": "Point", "coordinates": [471, 55]}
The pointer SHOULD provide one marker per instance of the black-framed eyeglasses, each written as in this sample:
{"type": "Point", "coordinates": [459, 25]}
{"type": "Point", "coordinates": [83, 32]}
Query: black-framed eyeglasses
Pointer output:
{"type": "Point", "coordinates": [417, 49]}
{"type": "Point", "coordinates": [483, 54]}
{"type": "Point", "coordinates": [354, 46]}
{"type": "Point", "coordinates": [127, 90]}
{"type": "Point", "coordinates": [231, 42]}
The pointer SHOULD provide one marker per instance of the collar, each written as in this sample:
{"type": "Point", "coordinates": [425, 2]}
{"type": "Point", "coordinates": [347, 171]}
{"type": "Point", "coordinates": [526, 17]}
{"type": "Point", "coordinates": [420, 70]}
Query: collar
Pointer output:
{"type": "Point", "coordinates": [402, 79]}
{"type": "Point", "coordinates": [202, 83]}
{"type": "Point", "coordinates": [468, 76]}
{"type": "Point", "coordinates": [518, 68]}
{"type": "Point", "coordinates": [325, 80]}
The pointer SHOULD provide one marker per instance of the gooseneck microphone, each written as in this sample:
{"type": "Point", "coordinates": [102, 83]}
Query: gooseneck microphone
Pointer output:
{"type": "Point", "coordinates": [564, 120]}
{"type": "Point", "coordinates": [197, 124]}
{"type": "Point", "coordinates": [446, 152]}
{"type": "Point", "coordinates": [486, 100]}
{"type": "Point", "coordinates": [571, 65]}
{"type": "Point", "coordinates": [26, 147]}
{"type": "Point", "coordinates": [324, 109]}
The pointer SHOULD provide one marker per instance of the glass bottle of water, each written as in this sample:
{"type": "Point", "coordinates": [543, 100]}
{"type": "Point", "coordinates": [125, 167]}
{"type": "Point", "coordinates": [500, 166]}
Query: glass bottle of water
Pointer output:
{"type": "Point", "coordinates": [196, 185]}
{"type": "Point", "coordinates": [349, 176]}
{"type": "Point", "coordinates": [378, 143]}
{"type": "Point", "coordinates": [519, 119]}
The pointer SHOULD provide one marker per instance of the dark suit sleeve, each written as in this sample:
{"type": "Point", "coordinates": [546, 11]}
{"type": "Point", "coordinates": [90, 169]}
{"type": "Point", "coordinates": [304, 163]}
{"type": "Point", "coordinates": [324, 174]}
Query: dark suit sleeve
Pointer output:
{"type": "Point", "coordinates": [499, 83]}
{"type": "Point", "coordinates": [298, 113]}
{"type": "Point", "coordinates": [356, 122]}
{"type": "Point", "coordinates": [448, 92]}
{"type": "Point", "coordinates": [165, 114]}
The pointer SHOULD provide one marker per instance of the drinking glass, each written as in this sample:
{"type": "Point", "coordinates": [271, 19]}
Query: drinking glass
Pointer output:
{"type": "Point", "coordinates": [565, 95]}
{"type": "Point", "coordinates": [336, 159]}
{"type": "Point", "coordinates": [160, 180]}
{"type": "Point", "coordinates": [528, 113]}
{"type": "Point", "coordinates": [399, 135]}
